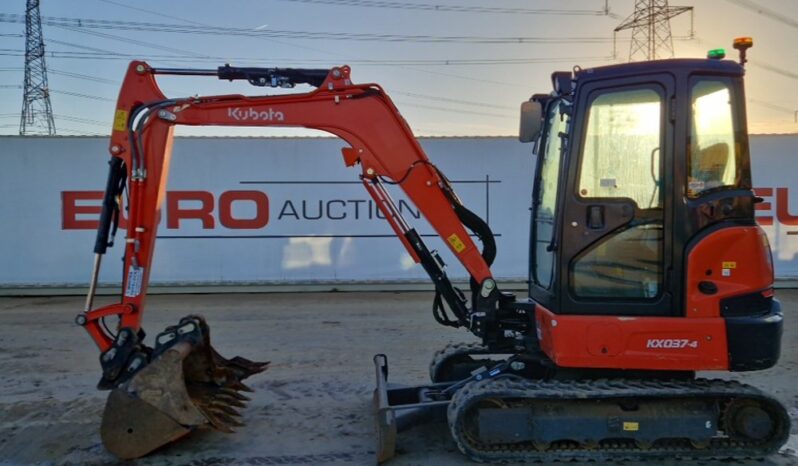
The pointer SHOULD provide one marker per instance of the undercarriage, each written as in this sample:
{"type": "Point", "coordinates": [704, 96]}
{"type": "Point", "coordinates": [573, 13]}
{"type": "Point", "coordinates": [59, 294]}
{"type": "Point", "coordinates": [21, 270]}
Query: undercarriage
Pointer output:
{"type": "Point", "coordinates": [513, 408]}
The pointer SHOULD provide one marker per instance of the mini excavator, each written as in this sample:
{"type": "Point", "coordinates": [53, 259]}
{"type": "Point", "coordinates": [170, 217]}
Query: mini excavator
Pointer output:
{"type": "Point", "coordinates": [646, 266]}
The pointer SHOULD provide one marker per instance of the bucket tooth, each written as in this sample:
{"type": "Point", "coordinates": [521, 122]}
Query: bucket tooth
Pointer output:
{"type": "Point", "coordinates": [226, 408]}
{"type": "Point", "coordinates": [224, 418]}
{"type": "Point", "coordinates": [241, 387]}
{"type": "Point", "coordinates": [228, 401]}
{"type": "Point", "coordinates": [234, 394]}
{"type": "Point", "coordinates": [242, 365]}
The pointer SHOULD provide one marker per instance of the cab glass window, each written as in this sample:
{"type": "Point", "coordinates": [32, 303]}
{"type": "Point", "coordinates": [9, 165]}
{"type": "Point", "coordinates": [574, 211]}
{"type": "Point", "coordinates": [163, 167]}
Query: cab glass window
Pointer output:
{"type": "Point", "coordinates": [627, 264]}
{"type": "Point", "coordinates": [712, 153]}
{"type": "Point", "coordinates": [548, 182]}
{"type": "Point", "coordinates": [620, 157]}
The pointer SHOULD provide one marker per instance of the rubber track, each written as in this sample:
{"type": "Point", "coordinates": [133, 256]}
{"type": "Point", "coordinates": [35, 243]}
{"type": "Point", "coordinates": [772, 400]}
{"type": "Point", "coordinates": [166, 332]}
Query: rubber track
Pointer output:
{"type": "Point", "coordinates": [515, 388]}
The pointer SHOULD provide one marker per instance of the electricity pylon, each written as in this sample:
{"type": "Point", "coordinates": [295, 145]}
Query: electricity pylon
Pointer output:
{"type": "Point", "coordinates": [651, 29]}
{"type": "Point", "coordinates": [37, 113]}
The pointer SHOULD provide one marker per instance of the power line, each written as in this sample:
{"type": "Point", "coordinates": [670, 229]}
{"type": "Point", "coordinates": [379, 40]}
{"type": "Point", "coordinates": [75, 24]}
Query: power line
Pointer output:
{"type": "Point", "coordinates": [157, 13]}
{"type": "Point", "coordinates": [774, 15]}
{"type": "Point", "coordinates": [454, 8]}
{"type": "Point", "coordinates": [79, 132]}
{"type": "Point", "coordinates": [100, 54]}
{"type": "Point", "coordinates": [85, 121]}
{"type": "Point", "coordinates": [110, 55]}
{"type": "Point", "coordinates": [327, 52]}
{"type": "Point", "coordinates": [90, 23]}
{"type": "Point", "coordinates": [406, 64]}
{"type": "Point", "coordinates": [455, 101]}
{"type": "Point", "coordinates": [85, 96]}
{"type": "Point", "coordinates": [458, 111]}
{"type": "Point", "coordinates": [395, 62]}
{"type": "Point", "coordinates": [775, 69]}
{"type": "Point", "coordinates": [131, 41]}
{"type": "Point", "coordinates": [84, 77]}
{"type": "Point", "coordinates": [80, 46]}
{"type": "Point", "coordinates": [60, 128]}
{"type": "Point", "coordinates": [469, 78]}
{"type": "Point", "coordinates": [771, 106]}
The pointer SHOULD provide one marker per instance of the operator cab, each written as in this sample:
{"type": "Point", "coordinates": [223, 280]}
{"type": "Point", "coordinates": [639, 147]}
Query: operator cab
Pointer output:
{"type": "Point", "coordinates": [621, 152]}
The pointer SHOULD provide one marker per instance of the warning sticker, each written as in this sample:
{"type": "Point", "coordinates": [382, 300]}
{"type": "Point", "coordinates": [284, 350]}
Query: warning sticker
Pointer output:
{"type": "Point", "coordinates": [631, 426]}
{"type": "Point", "coordinates": [120, 120]}
{"type": "Point", "coordinates": [456, 242]}
{"type": "Point", "coordinates": [134, 279]}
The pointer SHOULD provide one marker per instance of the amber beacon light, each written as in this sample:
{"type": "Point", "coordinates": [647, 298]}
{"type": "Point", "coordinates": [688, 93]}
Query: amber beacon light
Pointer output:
{"type": "Point", "coordinates": [742, 44]}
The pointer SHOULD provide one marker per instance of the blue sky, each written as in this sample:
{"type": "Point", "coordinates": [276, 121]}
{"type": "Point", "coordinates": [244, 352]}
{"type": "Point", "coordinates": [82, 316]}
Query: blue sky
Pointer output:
{"type": "Point", "coordinates": [436, 99]}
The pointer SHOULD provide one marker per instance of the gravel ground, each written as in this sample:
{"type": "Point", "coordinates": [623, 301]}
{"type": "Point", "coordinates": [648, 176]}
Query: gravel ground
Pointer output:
{"type": "Point", "coordinates": [313, 405]}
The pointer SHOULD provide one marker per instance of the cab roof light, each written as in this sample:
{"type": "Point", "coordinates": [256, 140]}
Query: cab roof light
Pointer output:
{"type": "Point", "coordinates": [716, 54]}
{"type": "Point", "coordinates": [742, 44]}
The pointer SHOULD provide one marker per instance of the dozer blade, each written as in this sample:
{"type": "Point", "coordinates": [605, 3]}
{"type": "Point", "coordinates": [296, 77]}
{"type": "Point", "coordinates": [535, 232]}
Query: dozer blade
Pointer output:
{"type": "Point", "coordinates": [187, 385]}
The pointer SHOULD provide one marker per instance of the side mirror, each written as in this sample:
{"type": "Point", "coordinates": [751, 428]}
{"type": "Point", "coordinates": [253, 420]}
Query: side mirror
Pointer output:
{"type": "Point", "coordinates": [531, 121]}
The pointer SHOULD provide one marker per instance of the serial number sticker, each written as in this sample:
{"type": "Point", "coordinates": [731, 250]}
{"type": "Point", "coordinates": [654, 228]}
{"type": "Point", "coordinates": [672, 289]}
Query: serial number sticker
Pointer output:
{"type": "Point", "coordinates": [631, 426]}
{"type": "Point", "coordinates": [120, 120]}
{"type": "Point", "coordinates": [456, 242]}
{"type": "Point", "coordinates": [729, 265]}
{"type": "Point", "coordinates": [134, 279]}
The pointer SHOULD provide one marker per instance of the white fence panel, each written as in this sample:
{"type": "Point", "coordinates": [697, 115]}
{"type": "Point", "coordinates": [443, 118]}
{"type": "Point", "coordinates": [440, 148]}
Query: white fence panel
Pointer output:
{"type": "Point", "coordinates": [257, 210]}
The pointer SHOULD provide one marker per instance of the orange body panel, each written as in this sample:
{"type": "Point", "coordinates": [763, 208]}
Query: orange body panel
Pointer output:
{"type": "Point", "coordinates": [654, 343]}
{"type": "Point", "coordinates": [736, 259]}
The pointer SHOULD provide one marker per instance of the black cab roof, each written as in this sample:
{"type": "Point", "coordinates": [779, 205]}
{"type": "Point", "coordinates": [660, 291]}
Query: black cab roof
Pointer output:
{"type": "Point", "coordinates": [674, 66]}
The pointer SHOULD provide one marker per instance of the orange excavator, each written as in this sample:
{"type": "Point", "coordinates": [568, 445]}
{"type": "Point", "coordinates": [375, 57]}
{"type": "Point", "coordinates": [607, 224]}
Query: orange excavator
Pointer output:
{"type": "Point", "coordinates": [646, 266]}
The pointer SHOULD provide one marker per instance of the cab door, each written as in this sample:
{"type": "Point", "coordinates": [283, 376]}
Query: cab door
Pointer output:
{"type": "Point", "coordinates": [616, 246]}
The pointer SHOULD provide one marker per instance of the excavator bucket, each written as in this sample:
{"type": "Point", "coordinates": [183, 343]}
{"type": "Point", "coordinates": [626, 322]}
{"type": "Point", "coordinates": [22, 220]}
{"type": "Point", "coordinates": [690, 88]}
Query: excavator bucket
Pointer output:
{"type": "Point", "coordinates": [187, 385]}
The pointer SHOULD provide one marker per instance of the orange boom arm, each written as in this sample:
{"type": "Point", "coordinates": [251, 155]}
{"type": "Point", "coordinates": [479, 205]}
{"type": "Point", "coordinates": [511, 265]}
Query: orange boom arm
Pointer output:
{"type": "Point", "coordinates": [379, 139]}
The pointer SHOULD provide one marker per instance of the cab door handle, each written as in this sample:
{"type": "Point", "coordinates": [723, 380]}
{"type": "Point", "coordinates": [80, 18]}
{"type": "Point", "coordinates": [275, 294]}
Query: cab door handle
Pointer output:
{"type": "Point", "coordinates": [595, 217]}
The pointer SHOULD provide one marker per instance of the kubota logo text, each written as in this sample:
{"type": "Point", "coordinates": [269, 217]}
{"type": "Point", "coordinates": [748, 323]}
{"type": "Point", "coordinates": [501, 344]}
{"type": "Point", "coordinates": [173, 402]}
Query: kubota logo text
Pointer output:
{"type": "Point", "coordinates": [677, 343]}
{"type": "Point", "coordinates": [240, 114]}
